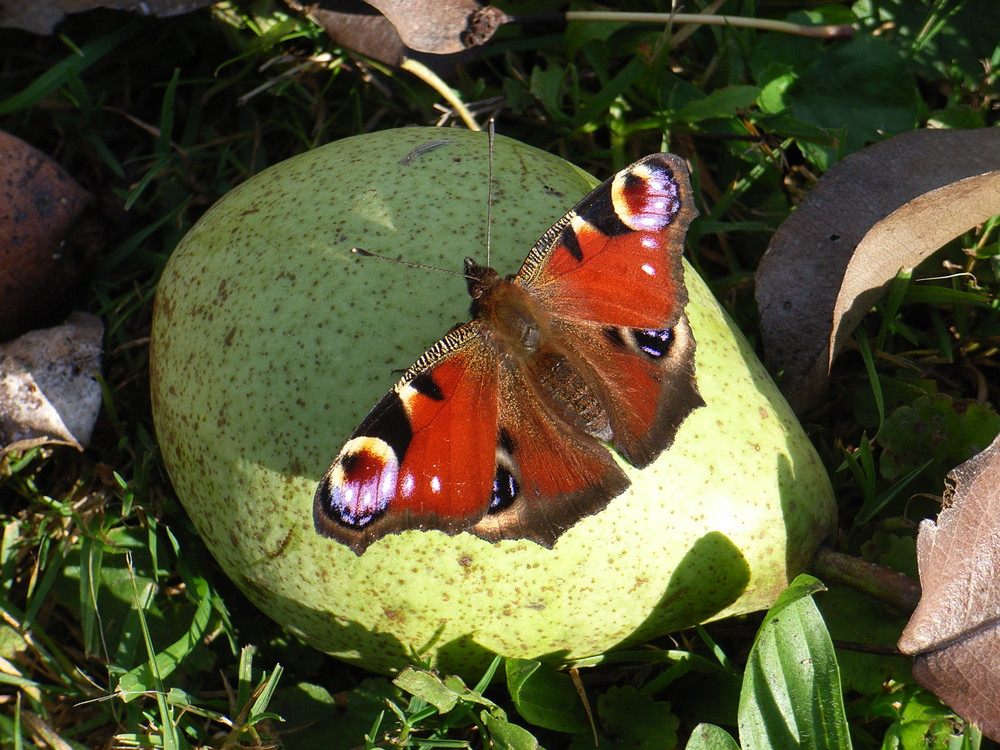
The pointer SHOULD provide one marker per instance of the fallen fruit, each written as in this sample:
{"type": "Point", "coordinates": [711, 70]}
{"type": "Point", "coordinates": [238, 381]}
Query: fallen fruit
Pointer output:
{"type": "Point", "coordinates": [271, 341]}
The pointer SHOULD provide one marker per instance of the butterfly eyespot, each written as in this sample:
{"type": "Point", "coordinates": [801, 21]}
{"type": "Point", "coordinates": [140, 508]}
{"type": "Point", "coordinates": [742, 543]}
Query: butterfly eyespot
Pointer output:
{"type": "Point", "coordinates": [647, 198]}
{"type": "Point", "coordinates": [505, 485]}
{"type": "Point", "coordinates": [654, 343]}
{"type": "Point", "coordinates": [505, 490]}
{"type": "Point", "coordinates": [360, 484]}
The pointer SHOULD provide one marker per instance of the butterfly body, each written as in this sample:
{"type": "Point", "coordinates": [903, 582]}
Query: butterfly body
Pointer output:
{"type": "Point", "coordinates": [501, 428]}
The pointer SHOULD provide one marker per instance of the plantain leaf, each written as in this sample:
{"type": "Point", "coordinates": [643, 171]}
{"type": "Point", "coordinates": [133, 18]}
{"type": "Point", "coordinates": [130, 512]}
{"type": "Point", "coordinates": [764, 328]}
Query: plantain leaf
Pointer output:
{"type": "Point", "coordinates": [791, 690]}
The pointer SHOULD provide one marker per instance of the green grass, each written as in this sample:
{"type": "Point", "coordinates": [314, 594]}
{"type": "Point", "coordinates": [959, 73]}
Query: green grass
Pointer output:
{"type": "Point", "coordinates": [118, 628]}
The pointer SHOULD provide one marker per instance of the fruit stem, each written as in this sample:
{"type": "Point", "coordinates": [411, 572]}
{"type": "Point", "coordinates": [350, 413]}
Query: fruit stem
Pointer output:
{"type": "Point", "coordinates": [895, 589]}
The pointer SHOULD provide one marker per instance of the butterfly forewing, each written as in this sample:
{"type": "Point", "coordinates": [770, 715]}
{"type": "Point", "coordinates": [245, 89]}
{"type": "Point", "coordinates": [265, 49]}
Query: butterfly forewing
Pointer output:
{"type": "Point", "coordinates": [615, 258]}
{"type": "Point", "coordinates": [424, 457]}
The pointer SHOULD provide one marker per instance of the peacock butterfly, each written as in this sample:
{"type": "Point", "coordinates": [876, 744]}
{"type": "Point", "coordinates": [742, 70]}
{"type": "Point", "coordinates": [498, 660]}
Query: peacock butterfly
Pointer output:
{"type": "Point", "coordinates": [502, 427]}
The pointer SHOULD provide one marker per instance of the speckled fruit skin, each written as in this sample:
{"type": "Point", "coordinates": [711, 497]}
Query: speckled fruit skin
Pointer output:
{"type": "Point", "coordinates": [271, 341]}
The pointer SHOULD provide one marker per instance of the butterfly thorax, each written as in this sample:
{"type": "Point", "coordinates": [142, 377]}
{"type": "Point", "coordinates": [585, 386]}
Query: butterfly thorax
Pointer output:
{"type": "Point", "coordinates": [508, 312]}
{"type": "Point", "coordinates": [523, 335]}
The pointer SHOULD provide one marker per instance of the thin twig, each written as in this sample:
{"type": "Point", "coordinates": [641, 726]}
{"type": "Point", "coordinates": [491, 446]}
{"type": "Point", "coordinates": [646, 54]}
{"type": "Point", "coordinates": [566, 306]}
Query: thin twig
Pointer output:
{"type": "Point", "coordinates": [765, 24]}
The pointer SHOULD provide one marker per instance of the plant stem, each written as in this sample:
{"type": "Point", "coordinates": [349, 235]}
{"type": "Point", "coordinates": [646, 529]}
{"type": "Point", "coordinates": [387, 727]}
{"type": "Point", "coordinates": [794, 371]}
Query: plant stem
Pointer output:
{"type": "Point", "coordinates": [766, 24]}
{"type": "Point", "coordinates": [432, 79]}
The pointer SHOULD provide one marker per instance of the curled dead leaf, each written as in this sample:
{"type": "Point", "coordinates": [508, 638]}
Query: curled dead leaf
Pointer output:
{"type": "Point", "coordinates": [880, 210]}
{"type": "Point", "coordinates": [48, 385]}
{"type": "Point", "coordinates": [954, 633]}
{"type": "Point", "coordinates": [441, 27]}
{"type": "Point", "coordinates": [392, 30]}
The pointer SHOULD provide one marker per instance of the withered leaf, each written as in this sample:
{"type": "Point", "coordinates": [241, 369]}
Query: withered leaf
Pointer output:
{"type": "Point", "coordinates": [41, 16]}
{"type": "Point", "coordinates": [48, 385]}
{"type": "Point", "coordinates": [365, 31]}
{"type": "Point", "coordinates": [441, 27]}
{"type": "Point", "coordinates": [39, 204]}
{"type": "Point", "coordinates": [954, 632]}
{"type": "Point", "coordinates": [438, 34]}
{"type": "Point", "coordinates": [880, 210]}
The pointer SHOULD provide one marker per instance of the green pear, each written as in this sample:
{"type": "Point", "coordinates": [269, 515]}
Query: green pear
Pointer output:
{"type": "Point", "coordinates": [271, 341]}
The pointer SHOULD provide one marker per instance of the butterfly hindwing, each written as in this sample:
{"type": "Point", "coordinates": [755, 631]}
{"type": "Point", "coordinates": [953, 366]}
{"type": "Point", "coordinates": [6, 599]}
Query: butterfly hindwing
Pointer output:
{"type": "Point", "coordinates": [647, 382]}
{"type": "Point", "coordinates": [549, 472]}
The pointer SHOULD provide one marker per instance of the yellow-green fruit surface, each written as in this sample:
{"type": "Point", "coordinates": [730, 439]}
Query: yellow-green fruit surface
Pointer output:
{"type": "Point", "coordinates": [271, 341]}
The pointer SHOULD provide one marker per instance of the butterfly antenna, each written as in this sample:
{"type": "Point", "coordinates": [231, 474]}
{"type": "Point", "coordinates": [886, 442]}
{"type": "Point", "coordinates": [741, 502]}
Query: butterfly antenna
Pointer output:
{"type": "Point", "coordinates": [369, 254]}
{"type": "Point", "coordinates": [491, 129]}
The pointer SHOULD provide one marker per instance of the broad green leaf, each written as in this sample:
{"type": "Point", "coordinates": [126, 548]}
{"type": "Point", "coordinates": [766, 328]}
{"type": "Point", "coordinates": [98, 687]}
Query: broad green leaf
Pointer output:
{"type": "Point", "coordinates": [791, 690]}
{"type": "Point", "coordinates": [547, 85]}
{"type": "Point", "coordinates": [710, 737]}
{"type": "Point", "coordinates": [544, 697]}
{"type": "Point", "coordinates": [454, 683]}
{"type": "Point", "coordinates": [861, 86]}
{"type": "Point", "coordinates": [914, 435]}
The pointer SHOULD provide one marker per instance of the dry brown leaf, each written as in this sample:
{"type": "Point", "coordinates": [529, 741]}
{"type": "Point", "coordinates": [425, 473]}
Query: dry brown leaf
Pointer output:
{"type": "Point", "coordinates": [883, 209]}
{"type": "Point", "coordinates": [434, 32]}
{"type": "Point", "coordinates": [41, 16]}
{"type": "Point", "coordinates": [39, 203]}
{"type": "Point", "coordinates": [955, 631]}
{"type": "Point", "coordinates": [441, 27]}
{"type": "Point", "coordinates": [48, 385]}
{"type": "Point", "coordinates": [363, 30]}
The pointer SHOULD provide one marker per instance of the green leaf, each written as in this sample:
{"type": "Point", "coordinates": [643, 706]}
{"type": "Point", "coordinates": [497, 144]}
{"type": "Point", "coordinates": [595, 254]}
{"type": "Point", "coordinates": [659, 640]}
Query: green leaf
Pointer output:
{"type": "Point", "coordinates": [546, 85]}
{"type": "Point", "coordinates": [861, 87]}
{"type": "Point", "coordinates": [925, 722]}
{"type": "Point", "coordinates": [59, 74]}
{"type": "Point", "coordinates": [710, 737]}
{"type": "Point", "coordinates": [935, 429]}
{"type": "Point", "coordinates": [791, 690]}
{"type": "Point", "coordinates": [507, 736]}
{"type": "Point", "coordinates": [270, 684]}
{"type": "Point", "coordinates": [544, 697]}
{"type": "Point", "coordinates": [631, 718]}
{"type": "Point", "coordinates": [146, 675]}
{"type": "Point", "coordinates": [720, 103]}
{"type": "Point", "coordinates": [601, 102]}
{"type": "Point", "coordinates": [427, 687]}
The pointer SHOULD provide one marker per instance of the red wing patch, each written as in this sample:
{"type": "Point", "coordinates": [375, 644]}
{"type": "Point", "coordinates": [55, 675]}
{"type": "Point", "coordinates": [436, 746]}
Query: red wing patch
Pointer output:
{"type": "Point", "coordinates": [615, 258]}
